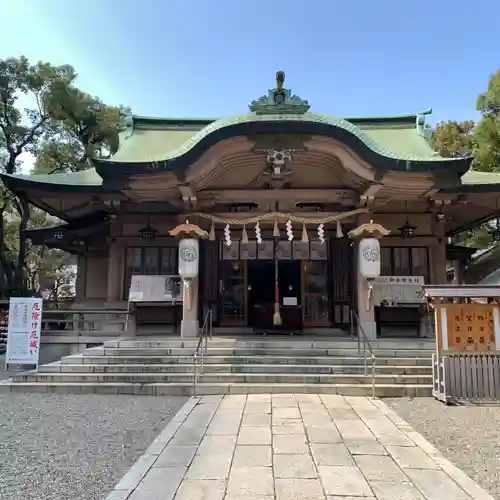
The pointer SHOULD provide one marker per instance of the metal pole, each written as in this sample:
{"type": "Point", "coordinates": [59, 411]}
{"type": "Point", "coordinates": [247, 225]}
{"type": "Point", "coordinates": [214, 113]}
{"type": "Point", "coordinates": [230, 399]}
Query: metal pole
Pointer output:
{"type": "Point", "coordinates": [201, 359]}
{"type": "Point", "coordinates": [373, 377]}
{"type": "Point", "coordinates": [357, 327]}
{"type": "Point", "coordinates": [206, 337]}
{"type": "Point", "coordinates": [211, 321]}
{"type": "Point", "coordinates": [195, 374]}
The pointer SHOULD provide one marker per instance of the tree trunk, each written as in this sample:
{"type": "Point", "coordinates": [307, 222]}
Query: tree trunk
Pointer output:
{"type": "Point", "coordinates": [6, 274]}
{"type": "Point", "coordinates": [20, 272]}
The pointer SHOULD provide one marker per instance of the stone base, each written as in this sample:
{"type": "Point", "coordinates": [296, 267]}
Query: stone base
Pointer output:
{"type": "Point", "coordinates": [189, 328]}
{"type": "Point", "coordinates": [370, 329]}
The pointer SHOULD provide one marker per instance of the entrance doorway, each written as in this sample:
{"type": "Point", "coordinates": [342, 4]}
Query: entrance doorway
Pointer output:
{"type": "Point", "coordinates": [261, 294]}
{"type": "Point", "coordinates": [315, 279]}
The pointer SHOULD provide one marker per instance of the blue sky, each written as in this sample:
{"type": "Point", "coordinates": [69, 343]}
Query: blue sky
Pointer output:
{"type": "Point", "coordinates": [209, 58]}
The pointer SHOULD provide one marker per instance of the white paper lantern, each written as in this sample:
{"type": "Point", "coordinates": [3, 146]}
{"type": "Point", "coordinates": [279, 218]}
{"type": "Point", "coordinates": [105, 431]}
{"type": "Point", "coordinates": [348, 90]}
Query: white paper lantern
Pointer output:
{"type": "Point", "coordinates": [369, 258]}
{"type": "Point", "coordinates": [189, 251]}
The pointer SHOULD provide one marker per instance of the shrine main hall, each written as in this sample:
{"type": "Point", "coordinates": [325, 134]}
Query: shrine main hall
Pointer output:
{"type": "Point", "coordinates": [277, 194]}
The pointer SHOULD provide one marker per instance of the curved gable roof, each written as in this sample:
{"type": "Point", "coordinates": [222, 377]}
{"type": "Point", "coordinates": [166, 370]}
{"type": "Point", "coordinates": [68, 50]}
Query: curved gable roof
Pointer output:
{"type": "Point", "coordinates": [163, 148]}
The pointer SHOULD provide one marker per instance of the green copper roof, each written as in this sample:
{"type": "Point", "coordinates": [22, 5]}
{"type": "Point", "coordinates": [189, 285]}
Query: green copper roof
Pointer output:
{"type": "Point", "coordinates": [473, 177]}
{"type": "Point", "coordinates": [90, 178]}
{"type": "Point", "coordinates": [394, 143]}
{"type": "Point", "coordinates": [87, 177]}
{"type": "Point", "coordinates": [142, 145]}
{"type": "Point", "coordinates": [159, 143]}
{"type": "Point", "coordinates": [88, 181]}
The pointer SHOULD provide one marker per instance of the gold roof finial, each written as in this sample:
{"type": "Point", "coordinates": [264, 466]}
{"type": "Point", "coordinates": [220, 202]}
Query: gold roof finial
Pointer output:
{"type": "Point", "coordinates": [280, 80]}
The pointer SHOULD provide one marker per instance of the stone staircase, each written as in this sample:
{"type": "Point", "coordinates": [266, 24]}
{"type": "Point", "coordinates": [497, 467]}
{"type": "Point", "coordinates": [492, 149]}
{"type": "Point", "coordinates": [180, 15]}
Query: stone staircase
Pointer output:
{"type": "Point", "coordinates": [161, 366]}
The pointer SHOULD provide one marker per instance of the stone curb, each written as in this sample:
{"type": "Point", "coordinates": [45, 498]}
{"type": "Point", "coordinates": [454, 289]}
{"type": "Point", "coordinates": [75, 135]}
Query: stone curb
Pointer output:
{"type": "Point", "coordinates": [129, 482]}
{"type": "Point", "coordinates": [459, 476]}
{"type": "Point", "coordinates": [5, 385]}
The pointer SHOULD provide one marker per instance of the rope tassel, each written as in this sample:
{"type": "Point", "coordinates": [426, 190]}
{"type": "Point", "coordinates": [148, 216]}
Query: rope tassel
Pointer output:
{"type": "Point", "coordinates": [305, 237]}
{"type": "Point", "coordinates": [244, 235]}
{"type": "Point", "coordinates": [276, 230]}
{"type": "Point", "coordinates": [340, 234]}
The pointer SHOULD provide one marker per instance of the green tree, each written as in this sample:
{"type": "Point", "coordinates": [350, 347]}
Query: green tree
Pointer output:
{"type": "Point", "coordinates": [64, 129]}
{"type": "Point", "coordinates": [460, 139]}
{"type": "Point", "coordinates": [454, 139]}
{"type": "Point", "coordinates": [21, 131]}
{"type": "Point", "coordinates": [86, 128]}
{"type": "Point", "coordinates": [487, 131]}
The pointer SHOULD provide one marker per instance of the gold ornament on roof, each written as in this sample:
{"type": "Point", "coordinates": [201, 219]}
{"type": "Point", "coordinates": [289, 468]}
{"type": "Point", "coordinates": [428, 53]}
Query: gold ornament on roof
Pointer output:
{"type": "Point", "coordinates": [369, 228]}
{"type": "Point", "coordinates": [188, 229]}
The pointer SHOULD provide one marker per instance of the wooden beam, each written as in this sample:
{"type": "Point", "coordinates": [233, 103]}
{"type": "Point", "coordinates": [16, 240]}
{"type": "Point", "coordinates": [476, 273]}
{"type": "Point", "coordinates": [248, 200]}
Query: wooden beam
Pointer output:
{"type": "Point", "coordinates": [367, 199]}
{"type": "Point", "coordinates": [372, 191]}
{"type": "Point", "coordinates": [299, 195]}
{"type": "Point", "coordinates": [429, 194]}
{"type": "Point", "coordinates": [187, 193]}
{"type": "Point", "coordinates": [246, 215]}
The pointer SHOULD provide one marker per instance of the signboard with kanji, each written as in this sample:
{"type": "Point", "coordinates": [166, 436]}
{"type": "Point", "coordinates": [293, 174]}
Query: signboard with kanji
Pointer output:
{"type": "Point", "coordinates": [24, 330]}
{"type": "Point", "coordinates": [155, 288]}
{"type": "Point", "coordinates": [470, 327]}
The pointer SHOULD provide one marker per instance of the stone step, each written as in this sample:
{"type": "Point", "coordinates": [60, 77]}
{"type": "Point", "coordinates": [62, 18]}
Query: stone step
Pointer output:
{"type": "Point", "coordinates": [229, 351]}
{"type": "Point", "coordinates": [250, 360]}
{"type": "Point", "coordinates": [256, 378]}
{"type": "Point", "coordinates": [231, 368]}
{"type": "Point", "coordinates": [286, 342]}
{"type": "Point", "coordinates": [381, 390]}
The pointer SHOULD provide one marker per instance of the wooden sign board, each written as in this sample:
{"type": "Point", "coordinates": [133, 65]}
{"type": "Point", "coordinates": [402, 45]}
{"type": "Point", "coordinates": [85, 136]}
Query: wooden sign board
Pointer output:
{"type": "Point", "coordinates": [467, 327]}
{"type": "Point", "coordinates": [155, 288]}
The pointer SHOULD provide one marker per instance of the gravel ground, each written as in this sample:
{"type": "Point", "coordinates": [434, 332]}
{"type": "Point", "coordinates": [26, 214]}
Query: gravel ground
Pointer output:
{"type": "Point", "coordinates": [468, 436]}
{"type": "Point", "coordinates": [69, 447]}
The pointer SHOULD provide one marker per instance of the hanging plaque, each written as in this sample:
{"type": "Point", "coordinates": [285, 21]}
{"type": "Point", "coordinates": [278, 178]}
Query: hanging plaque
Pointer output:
{"type": "Point", "coordinates": [319, 251]}
{"type": "Point", "coordinates": [266, 250]}
{"type": "Point", "coordinates": [248, 251]}
{"type": "Point", "coordinates": [300, 250]}
{"type": "Point", "coordinates": [231, 252]}
{"type": "Point", "coordinates": [284, 250]}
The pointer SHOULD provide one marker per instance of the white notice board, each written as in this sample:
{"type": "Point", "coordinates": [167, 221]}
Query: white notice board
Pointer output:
{"type": "Point", "coordinates": [155, 288]}
{"type": "Point", "coordinates": [24, 330]}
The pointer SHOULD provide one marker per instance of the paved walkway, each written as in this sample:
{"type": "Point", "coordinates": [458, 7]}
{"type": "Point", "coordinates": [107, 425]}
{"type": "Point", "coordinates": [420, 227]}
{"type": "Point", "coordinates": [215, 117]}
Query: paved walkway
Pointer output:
{"type": "Point", "coordinates": [292, 447]}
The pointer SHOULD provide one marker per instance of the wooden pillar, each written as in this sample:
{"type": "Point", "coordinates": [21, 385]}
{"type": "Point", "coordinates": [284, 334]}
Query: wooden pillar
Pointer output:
{"type": "Point", "coordinates": [115, 264]}
{"type": "Point", "coordinates": [438, 256]}
{"type": "Point", "coordinates": [81, 278]}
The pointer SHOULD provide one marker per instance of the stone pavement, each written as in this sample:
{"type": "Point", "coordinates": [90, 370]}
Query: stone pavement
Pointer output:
{"type": "Point", "coordinates": [291, 447]}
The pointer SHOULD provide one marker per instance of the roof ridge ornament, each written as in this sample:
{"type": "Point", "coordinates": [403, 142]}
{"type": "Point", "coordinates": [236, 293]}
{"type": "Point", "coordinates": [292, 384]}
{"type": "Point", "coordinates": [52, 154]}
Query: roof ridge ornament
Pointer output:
{"type": "Point", "coordinates": [279, 100]}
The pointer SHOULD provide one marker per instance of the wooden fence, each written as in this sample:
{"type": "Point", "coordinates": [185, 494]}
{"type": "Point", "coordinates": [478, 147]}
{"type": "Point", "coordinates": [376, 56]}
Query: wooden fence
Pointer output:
{"type": "Point", "coordinates": [65, 320]}
{"type": "Point", "coordinates": [470, 377]}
